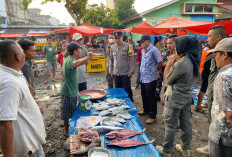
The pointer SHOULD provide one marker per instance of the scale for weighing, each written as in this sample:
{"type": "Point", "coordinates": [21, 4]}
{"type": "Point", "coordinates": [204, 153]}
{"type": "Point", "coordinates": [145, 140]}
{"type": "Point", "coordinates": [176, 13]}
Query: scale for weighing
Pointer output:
{"type": "Point", "coordinates": [86, 104]}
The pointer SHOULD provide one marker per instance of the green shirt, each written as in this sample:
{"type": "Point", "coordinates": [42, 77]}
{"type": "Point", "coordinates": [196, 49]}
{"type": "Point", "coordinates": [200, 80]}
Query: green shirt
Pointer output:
{"type": "Point", "coordinates": [70, 77]}
{"type": "Point", "coordinates": [50, 53]}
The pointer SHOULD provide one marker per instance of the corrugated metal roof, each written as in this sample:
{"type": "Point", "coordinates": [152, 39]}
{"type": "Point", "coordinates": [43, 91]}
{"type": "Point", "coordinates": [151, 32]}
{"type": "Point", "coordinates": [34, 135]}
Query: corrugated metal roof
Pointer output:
{"type": "Point", "coordinates": [227, 6]}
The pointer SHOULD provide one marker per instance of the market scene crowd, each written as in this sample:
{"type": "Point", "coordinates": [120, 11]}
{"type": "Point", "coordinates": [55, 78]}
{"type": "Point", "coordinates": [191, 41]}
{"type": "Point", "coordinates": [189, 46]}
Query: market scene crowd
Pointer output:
{"type": "Point", "coordinates": [166, 71]}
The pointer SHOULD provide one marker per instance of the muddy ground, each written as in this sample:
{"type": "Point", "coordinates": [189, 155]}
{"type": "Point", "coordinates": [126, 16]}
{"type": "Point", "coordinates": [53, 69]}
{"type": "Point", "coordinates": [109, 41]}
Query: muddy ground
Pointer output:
{"type": "Point", "coordinates": [47, 96]}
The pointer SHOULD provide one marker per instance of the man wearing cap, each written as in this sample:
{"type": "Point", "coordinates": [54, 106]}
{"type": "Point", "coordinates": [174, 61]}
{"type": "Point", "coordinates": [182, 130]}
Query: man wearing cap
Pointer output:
{"type": "Point", "coordinates": [220, 137]}
{"type": "Point", "coordinates": [122, 63]}
{"type": "Point", "coordinates": [151, 63]}
{"type": "Point", "coordinates": [77, 37]}
{"type": "Point", "coordinates": [69, 89]}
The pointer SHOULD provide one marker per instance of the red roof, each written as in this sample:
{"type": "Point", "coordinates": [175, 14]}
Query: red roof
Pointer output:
{"type": "Point", "coordinates": [37, 34]}
{"type": "Point", "coordinates": [204, 29]}
{"type": "Point", "coordinates": [88, 30]}
{"type": "Point", "coordinates": [145, 28]}
{"type": "Point", "coordinates": [65, 30]}
{"type": "Point", "coordinates": [177, 22]}
{"type": "Point", "coordinates": [10, 35]}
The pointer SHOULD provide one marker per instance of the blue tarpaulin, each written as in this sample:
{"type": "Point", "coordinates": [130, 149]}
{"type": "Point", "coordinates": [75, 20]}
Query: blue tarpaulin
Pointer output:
{"type": "Point", "coordinates": [133, 124]}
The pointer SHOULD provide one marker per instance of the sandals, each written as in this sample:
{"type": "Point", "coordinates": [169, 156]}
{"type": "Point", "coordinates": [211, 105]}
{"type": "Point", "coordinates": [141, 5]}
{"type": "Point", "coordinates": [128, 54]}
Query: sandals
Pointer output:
{"type": "Point", "coordinates": [200, 110]}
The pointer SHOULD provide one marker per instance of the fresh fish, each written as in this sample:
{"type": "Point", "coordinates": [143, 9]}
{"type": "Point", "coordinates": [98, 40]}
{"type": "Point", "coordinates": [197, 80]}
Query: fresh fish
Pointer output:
{"type": "Point", "coordinates": [126, 143]}
{"type": "Point", "coordinates": [111, 123]}
{"type": "Point", "coordinates": [115, 101]}
{"type": "Point", "coordinates": [101, 129]}
{"type": "Point", "coordinates": [118, 119]}
{"type": "Point", "coordinates": [101, 107]}
{"type": "Point", "coordinates": [125, 115]}
{"type": "Point", "coordinates": [104, 113]}
{"type": "Point", "coordinates": [122, 134]}
{"type": "Point", "coordinates": [123, 107]}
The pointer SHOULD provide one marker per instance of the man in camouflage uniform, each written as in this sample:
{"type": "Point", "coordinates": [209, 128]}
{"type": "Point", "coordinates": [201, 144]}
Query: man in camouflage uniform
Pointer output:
{"type": "Point", "coordinates": [122, 64]}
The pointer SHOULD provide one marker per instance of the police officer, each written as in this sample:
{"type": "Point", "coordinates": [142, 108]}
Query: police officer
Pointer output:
{"type": "Point", "coordinates": [122, 63]}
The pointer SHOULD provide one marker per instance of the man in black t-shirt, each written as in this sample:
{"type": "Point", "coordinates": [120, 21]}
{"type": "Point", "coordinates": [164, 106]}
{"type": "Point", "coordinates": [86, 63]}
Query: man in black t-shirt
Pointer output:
{"type": "Point", "coordinates": [29, 48]}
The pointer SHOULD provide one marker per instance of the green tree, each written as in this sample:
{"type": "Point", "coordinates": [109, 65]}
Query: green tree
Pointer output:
{"type": "Point", "coordinates": [76, 8]}
{"type": "Point", "coordinates": [101, 16]}
{"type": "Point", "coordinates": [124, 9]}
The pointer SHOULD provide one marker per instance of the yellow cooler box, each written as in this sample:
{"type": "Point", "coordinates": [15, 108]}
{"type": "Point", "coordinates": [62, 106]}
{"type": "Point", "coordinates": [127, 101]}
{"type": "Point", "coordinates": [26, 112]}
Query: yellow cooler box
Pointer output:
{"type": "Point", "coordinates": [97, 64]}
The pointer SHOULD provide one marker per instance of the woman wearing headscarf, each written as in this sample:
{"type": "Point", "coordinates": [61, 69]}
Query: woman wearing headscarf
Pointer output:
{"type": "Point", "coordinates": [178, 97]}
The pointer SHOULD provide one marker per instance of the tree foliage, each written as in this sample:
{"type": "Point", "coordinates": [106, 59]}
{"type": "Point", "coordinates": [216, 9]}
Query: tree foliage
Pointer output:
{"type": "Point", "coordinates": [124, 9]}
{"type": "Point", "coordinates": [101, 16]}
{"type": "Point", "coordinates": [76, 8]}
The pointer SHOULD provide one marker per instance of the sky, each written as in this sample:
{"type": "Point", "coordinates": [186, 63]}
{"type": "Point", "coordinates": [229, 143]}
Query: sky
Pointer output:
{"type": "Point", "coordinates": [58, 10]}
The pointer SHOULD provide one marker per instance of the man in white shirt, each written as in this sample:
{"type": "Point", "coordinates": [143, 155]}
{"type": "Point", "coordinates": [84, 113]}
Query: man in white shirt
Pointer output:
{"type": "Point", "coordinates": [22, 131]}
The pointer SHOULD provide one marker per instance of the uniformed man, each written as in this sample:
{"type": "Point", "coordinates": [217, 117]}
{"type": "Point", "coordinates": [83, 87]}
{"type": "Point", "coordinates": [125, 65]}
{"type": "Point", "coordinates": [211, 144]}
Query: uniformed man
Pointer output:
{"type": "Point", "coordinates": [122, 63]}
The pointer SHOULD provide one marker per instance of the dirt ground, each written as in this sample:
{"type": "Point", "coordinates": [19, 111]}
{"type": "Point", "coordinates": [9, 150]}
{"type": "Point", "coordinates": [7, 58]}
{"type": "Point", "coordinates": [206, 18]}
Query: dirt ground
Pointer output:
{"type": "Point", "coordinates": [47, 96]}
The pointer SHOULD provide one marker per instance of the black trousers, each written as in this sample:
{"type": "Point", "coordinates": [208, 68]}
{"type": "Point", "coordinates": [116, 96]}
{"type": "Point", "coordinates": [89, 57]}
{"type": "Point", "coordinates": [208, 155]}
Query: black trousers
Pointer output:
{"type": "Point", "coordinates": [124, 82]}
{"type": "Point", "coordinates": [82, 86]}
{"type": "Point", "coordinates": [148, 92]}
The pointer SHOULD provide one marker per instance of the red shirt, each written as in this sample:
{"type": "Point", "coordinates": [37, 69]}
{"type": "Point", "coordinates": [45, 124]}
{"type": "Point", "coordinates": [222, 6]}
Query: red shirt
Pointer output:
{"type": "Point", "coordinates": [139, 55]}
{"type": "Point", "coordinates": [60, 59]}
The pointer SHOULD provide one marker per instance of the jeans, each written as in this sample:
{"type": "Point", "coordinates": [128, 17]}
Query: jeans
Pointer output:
{"type": "Point", "coordinates": [124, 82]}
{"type": "Point", "coordinates": [219, 150]}
{"type": "Point", "coordinates": [171, 116]}
{"type": "Point", "coordinates": [148, 92]}
{"type": "Point", "coordinates": [138, 76]}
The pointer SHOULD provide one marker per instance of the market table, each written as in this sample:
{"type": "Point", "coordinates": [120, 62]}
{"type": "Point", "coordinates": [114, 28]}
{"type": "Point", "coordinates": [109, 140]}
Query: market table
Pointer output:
{"type": "Point", "coordinates": [133, 124]}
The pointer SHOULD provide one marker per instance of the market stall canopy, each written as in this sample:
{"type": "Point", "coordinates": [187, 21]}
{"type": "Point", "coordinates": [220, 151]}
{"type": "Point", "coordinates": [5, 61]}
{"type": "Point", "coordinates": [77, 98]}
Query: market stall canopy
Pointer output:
{"type": "Point", "coordinates": [65, 30]}
{"type": "Point", "coordinates": [204, 29]}
{"type": "Point", "coordinates": [37, 34]}
{"type": "Point", "coordinates": [145, 28]}
{"type": "Point", "coordinates": [177, 22]}
{"type": "Point", "coordinates": [11, 35]}
{"type": "Point", "coordinates": [88, 30]}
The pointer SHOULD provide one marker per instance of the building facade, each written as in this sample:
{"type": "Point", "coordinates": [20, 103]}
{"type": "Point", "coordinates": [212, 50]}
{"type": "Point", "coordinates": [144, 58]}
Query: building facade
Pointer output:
{"type": "Point", "coordinates": [3, 14]}
{"type": "Point", "coordinates": [198, 10]}
{"type": "Point", "coordinates": [110, 4]}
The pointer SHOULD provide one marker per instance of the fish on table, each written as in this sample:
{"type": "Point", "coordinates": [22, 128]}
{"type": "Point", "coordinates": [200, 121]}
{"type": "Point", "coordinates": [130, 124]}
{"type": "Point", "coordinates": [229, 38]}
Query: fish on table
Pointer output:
{"type": "Point", "coordinates": [127, 143]}
{"type": "Point", "coordinates": [122, 134]}
{"type": "Point", "coordinates": [101, 129]}
{"type": "Point", "coordinates": [125, 115]}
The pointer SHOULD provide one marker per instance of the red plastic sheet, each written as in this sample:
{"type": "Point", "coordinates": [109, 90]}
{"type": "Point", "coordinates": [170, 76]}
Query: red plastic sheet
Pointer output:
{"type": "Point", "coordinates": [204, 29]}
{"type": "Point", "coordinates": [145, 28]}
{"type": "Point", "coordinates": [88, 30]}
{"type": "Point", "coordinates": [10, 35]}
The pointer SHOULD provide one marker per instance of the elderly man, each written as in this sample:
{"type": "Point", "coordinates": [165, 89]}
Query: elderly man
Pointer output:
{"type": "Point", "coordinates": [216, 34]}
{"type": "Point", "coordinates": [151, 63]}
{"type": "Point", "coordinates": [81, 69]}
{"type": "Point", "coordinates": [220, 138]}
{"type": "Point", "coordinates": [122, 64]}
{"type": "Point", "coordinates": [22, 131]}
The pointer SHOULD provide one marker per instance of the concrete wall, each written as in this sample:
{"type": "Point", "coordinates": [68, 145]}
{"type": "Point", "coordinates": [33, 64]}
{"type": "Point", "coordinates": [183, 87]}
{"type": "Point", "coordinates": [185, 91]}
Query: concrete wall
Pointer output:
{"type": "Point", "coordinates": [3, 15]}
